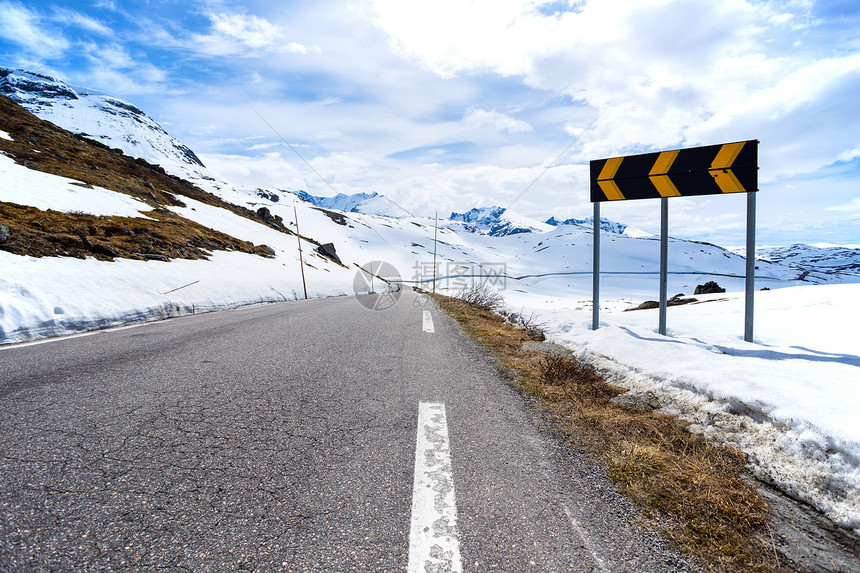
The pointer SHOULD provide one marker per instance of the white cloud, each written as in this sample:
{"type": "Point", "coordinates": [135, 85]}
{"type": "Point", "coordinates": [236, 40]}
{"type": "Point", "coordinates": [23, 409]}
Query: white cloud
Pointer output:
{"type": "Point", "coordinates": [25, 28]}
{"type": "Point", "coordinates": [852, 206]}
{"type": "Point", "coordinates": [498, 121]}
{"type": "Point", "coordinates": [241, 34]}
{"type": "Point", "coordinates": [662, 73]}
{"type": "Point", "coordinates": [81, 21]}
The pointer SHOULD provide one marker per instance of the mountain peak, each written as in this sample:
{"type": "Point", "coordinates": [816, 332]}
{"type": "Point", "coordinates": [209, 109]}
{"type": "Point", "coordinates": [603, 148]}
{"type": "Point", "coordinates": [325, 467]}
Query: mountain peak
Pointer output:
{"type": "Point", "coordinates": [498, 221]}
{"type": "Point", "coordinates": [368, 203]}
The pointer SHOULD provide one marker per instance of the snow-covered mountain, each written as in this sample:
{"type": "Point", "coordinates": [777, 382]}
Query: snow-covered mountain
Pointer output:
{"type": "Point", "coordinates": [367, 203]}
{"type": "Point", "coordinates": [606, 225]}
{"type": "Point", "coordinates": [807, 257]}
{"type": "Point", "coordinates": [498, 222]}
{"type": "Point", "coordinates": [102, 117]}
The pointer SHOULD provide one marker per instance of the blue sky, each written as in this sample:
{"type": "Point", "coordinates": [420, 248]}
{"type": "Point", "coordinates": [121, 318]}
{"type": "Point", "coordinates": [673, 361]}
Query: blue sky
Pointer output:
{"type": "Point", "coordinates": [452, 104]}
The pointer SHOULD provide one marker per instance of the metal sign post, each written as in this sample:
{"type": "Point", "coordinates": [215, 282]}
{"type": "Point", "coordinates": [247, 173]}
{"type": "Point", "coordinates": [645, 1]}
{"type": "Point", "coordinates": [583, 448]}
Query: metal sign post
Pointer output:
{"type": "Point", "coordinates": [708, 170]}
{"type": "Point", "coordinates": [664, 261]}
{"type": "Point", "coordinates": [749, 301]}
{"type": "Point", "coordinates": [595, 294]}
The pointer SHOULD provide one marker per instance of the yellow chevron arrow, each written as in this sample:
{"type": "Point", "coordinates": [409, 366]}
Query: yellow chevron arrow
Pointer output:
{"type": "Point", "coordinates": [609, 187]}
{"type": "Point", "coordinates": [720, 168]}
{"type": "Point", "coordinates": [659, 177]}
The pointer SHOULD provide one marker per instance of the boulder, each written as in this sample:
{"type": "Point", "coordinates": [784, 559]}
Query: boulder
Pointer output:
{"type": "Point", "coordinates": [5, 232]}
{"type": "Point", "coordinates": [710, 287]}
{"type": "Point", "coordinates": [639, 401]}
{"type": "Point", "coordinates": [328, 250]}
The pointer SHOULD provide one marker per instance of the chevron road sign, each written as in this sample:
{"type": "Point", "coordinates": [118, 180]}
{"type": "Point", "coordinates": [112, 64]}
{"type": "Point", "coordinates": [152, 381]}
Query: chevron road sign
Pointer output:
{"type": "Point", "coordinates": [709, 170]}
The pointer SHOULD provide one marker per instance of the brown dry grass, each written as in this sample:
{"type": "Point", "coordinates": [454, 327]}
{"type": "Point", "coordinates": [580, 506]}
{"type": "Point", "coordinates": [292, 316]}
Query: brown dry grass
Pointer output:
{"type": "Point", "coordinates": [42, 146]}
{"type": "Point", "coordinates": [40, 233]}
{"type": "Point", "coordinates": [692, 491]}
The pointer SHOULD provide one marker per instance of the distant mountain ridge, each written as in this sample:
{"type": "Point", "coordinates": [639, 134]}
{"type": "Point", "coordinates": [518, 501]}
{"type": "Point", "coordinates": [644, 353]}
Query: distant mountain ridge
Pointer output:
{"type": "Point", "coordinates": [367, 203]}
{"type": "Point", "coordinates": [498, 222]}
{"type": "Point", "coordinates": [826, 259]}
{"type": "Point", "coordinates": [605, 224]}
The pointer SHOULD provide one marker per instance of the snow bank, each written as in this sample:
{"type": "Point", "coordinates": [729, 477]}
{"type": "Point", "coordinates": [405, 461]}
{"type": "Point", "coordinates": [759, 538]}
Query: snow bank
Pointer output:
{"type": "Point", "coordinates": [45, 191]}
{"type": "Point", "coordinates": [789, 400]}
{"type": "Point", "coordinates": [58, 296]}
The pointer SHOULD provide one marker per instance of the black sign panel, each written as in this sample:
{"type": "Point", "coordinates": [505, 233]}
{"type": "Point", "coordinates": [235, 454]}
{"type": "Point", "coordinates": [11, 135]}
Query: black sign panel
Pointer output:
{"type": "Point", "coordinates": [709, 170]}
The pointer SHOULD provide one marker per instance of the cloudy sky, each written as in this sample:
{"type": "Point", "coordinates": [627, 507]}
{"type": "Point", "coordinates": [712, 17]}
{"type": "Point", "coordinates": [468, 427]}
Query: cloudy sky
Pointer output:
{"type": "Point", "coordinates": [452, 104]}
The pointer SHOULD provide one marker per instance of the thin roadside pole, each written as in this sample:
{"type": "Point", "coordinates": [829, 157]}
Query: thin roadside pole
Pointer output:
{"type": "Point", "coordinates": [301, 261]}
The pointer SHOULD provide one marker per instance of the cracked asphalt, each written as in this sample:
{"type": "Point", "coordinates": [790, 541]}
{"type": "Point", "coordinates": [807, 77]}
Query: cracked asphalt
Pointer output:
{"type": "Point", "coordinates": [282, 438]}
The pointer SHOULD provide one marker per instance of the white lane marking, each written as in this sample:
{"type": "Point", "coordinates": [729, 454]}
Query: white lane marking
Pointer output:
{"type": "Point", "coordinates": [433, 543]}
{"type": "Point", "coordinates": [586, 540]}
{"type": "Point", "coordinates": [428, 322]}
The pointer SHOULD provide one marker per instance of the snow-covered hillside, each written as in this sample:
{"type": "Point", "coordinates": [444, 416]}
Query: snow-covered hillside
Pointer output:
{"type": "Point", "coordinates": [788, 399]}
{"type": "Point", "coordinates": [107, 119]}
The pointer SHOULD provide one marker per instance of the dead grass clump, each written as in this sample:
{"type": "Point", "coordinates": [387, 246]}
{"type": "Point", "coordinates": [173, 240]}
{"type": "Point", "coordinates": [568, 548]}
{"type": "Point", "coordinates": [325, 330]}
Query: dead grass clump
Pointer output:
{"type": "Point", "coordinates": [692, 491]}
{"type": "Point", "coordinates": [483, 296]}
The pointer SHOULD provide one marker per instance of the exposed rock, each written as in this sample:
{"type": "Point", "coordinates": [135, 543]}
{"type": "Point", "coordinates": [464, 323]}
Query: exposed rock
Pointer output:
{"type": "Point", "coordinates": [5, 232]}
{"type": "Point", "coordinates": [536, 334]}
{"type": "Point", "coordinates": [84, 241]}
{"type": "Point", "coordinates": [103, 250]}
{"type": "Point", "coordinates": [639, 401]}
{"type": "Point", "coordinates": [709, 287]}
{"type": "Point", "coordinates": [155, 257]}
{"type": "Point", "coordinates": [264, 214]}
{"type": "Point", "coordinates": [336, 217]}
{"type": "Point", "coordinates": [327, 250]}
{"type": "Point", "coordinates": [674, 301]}
{"type": "Point", "coordinates": [679, 299]}
{"type": "Point", "coordinates": [271, 196]}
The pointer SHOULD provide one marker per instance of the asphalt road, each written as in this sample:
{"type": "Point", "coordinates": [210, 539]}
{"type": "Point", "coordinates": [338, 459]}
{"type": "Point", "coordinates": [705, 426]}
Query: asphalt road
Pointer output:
{"type": "Point", "coordinates": [283, 437]}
